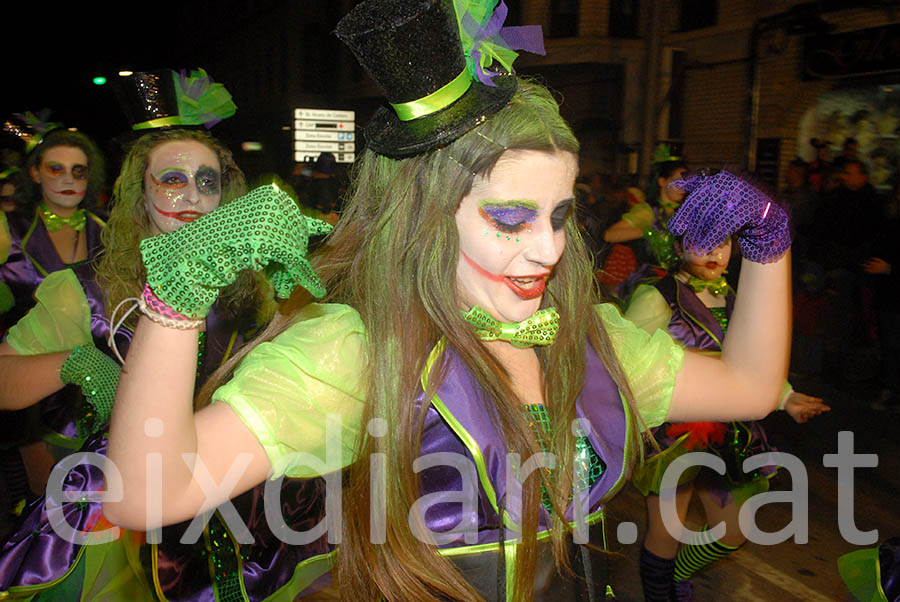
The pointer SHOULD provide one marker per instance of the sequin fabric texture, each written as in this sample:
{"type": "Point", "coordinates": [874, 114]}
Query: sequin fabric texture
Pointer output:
{"type": "Point", "coordinates": [98, 377]}
{"type": "Point", "coordinates": [264, 229]}
{"type": "Point", "coordinates": [723, 204]}
{"type": "Point", "coordinates": [588, 465]}
{"type": "Point", "coordinates": [538, 329]}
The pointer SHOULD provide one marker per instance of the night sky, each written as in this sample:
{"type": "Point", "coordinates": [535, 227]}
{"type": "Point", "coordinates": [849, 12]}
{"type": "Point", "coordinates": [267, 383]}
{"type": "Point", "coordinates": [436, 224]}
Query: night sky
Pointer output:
{"type": "Point", "coordinates": [52, 54]}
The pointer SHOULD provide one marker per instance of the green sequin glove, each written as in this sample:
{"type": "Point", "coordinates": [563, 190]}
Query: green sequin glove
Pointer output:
{"type": "Point", "coordinates": [262, 229]}
{"type": "Point", "coordinates": [98, 377]}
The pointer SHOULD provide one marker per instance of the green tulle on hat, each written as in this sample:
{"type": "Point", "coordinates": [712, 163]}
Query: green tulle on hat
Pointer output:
{"type": "Point", "coordinates": [200, 100]}
{"type": "Point", "coordinates": [485, 40]}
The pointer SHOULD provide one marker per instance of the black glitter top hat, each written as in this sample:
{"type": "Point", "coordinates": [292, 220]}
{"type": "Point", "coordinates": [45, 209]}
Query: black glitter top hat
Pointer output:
{"type": "Point", "coordinates": [412, 49]}
{"type": "Point", "coordinates": [169, 99]}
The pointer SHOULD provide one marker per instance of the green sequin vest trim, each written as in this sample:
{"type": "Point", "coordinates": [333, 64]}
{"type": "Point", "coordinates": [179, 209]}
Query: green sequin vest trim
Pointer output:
{"type": "Point", "coordinates": [588, 465]}
{"type": "Point", "coordinates": [721, 316]}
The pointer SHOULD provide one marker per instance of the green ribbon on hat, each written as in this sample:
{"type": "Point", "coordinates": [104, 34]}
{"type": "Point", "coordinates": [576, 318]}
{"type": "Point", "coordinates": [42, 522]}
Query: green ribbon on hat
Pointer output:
{"type": "Point", "coordinates": [539, 329]}
{"type": "Point", "coordinates": [437, 100]}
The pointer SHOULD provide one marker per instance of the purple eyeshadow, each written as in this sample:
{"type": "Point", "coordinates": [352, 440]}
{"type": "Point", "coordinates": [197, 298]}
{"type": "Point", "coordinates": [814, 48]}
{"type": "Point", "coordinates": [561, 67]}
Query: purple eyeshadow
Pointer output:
{"type": "Point", "coordinates": [510, 216]}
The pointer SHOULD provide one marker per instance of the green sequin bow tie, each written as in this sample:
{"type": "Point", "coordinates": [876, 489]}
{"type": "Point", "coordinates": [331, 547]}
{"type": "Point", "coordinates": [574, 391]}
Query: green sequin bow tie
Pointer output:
{"type": "Point", "coordinates": [55, 222]}
{"type": "Point", "coordinates": [718, 286]}
{"type": "Point", "coordinates": [539, 329]}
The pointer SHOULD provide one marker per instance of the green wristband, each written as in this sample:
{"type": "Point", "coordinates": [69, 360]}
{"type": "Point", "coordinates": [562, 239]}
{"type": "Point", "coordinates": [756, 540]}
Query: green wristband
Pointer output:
{"type": "Point", "coordinates": [98, 377]}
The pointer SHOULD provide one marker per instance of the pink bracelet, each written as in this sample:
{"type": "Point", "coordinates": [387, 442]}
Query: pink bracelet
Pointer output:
{"type": "Point", "coordinates": [160, 312]}
{"type": "Point", "coordinates": [160, 307]}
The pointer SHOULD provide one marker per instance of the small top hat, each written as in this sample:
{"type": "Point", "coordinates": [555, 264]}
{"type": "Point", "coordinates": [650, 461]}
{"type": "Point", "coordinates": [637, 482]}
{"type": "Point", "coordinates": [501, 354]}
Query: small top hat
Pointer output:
{"type": "Point", "coordinates": [167, 99]}
{"type": "Point", "coordinates": [412, 49]}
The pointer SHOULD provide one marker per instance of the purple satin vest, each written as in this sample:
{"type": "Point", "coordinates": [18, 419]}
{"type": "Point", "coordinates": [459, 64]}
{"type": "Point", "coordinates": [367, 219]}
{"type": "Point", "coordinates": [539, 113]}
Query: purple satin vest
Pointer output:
{"type": "Point", "coordinates": [462, 413]}
{"type": "Point", "coordinates": [29, 263]}
{"type": "Point", "coordinates": [692, 323]}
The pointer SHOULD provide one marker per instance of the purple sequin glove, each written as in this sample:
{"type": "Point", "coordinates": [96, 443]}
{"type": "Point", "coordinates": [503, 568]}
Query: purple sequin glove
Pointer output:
{"type": "Point", "coordinates": [715, 207]}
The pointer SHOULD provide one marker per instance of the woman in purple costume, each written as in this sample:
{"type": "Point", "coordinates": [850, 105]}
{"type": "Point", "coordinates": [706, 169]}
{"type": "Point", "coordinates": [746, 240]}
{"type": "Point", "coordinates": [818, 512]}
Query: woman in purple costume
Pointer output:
{"type": "Point", "coordinates": [694, 306]}
{"type": "Point", "coordinates": [53, 227]}
{"type": "Point", "coordinates": [169, 178]}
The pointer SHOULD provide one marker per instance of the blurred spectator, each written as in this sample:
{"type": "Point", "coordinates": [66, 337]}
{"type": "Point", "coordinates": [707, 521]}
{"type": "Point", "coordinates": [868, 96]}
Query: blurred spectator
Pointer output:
{"type": "Point", "coordinates": [849, 152]}
{"type": "Point", "coordinates": [324, 190]}
{"type": "Point", "coordinates": [883, 268]}
{"type": "Point", "coordinates": [819, 166]}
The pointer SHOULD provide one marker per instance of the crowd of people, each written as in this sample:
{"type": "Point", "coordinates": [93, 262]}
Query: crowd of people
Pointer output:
{"type": "Point", "coordinates": [429, 398]}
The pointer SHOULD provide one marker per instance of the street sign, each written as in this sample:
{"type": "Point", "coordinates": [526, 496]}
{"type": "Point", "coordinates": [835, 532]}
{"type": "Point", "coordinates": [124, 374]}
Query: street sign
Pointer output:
{"type": "Point", "coordinates": [346, 126]}
{"type": "Point", "coordinates": [324, 130]}
{"type": "Point", "coordinates": [320, 147]}
{"type": "Point", "coordinates": [324, 135]}
{"type": "Point", "coordinates": [306, 157]}
{"type": "Point", "coordinates": [325, 114]}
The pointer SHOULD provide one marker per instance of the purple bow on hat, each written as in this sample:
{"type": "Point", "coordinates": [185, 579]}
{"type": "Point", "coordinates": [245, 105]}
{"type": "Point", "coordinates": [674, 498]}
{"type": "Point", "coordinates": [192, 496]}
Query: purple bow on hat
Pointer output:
{"type": "Point", "coordinates": [506, 41]}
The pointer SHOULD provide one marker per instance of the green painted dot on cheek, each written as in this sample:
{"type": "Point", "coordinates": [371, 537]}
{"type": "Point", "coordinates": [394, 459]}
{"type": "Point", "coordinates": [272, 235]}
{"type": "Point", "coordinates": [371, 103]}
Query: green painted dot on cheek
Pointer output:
{"type": "Point", "coordinates": [498, 235]}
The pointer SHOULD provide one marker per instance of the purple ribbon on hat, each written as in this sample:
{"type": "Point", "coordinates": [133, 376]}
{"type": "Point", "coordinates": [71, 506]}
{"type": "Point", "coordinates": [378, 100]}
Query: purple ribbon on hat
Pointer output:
{"type": "Point", "coordinates": [507, 39]}
{"type": "Point", "coordinates": [201, 100]}
{"type": "Point", "coordinates": [195, 90]}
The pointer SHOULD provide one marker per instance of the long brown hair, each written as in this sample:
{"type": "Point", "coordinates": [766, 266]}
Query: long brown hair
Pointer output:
{"type": "Point", "coordinates": [393, 257]}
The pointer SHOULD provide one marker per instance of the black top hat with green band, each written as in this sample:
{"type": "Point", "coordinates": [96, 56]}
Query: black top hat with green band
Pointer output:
{"type": "Point", "coordinates": [173, 99]}
{"type": "Point", "coordinates": [412, 49]}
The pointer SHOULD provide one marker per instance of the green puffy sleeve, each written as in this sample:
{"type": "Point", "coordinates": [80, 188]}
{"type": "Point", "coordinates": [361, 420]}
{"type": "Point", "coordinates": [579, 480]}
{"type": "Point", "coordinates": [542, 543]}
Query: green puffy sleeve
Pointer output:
{"type": "Point", "coordinates": [639, 216]}
{"type": "Point", "coordinates": [648, 310]}
{"type": "Point", "coordinates": [650, 363]}
{"type": "Point", "coordinates": [286, 389]}
{"type": "Point", "coordinates": [60, 321]}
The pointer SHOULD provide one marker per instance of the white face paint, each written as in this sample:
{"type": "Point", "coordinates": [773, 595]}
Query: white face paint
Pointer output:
{"type": "Point", "coordinates": [181, 183]}
{"type": "Point", "coordinates": [63, 175]}
{"type": "Point", "coordinates": [709, 266]}
{"type": "Point", "coordinates": [511, 232]}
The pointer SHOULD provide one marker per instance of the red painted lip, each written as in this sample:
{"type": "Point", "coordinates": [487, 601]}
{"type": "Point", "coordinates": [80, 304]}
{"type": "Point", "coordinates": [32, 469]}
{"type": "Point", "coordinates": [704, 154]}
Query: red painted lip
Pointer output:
{"type": "Point", "coordinates": [187, 215]}
{"type": "Point", "coordinates": [67, 192]}
{"type": "Point", "coordinates": [531, 293]}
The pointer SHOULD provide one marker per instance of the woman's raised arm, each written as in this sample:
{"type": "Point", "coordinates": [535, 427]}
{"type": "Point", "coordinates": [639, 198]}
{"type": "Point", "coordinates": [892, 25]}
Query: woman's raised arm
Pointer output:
{"type": "Point", "coordinates": [172, 461]}
{"type": "Point", "coordinates": [746, 381]}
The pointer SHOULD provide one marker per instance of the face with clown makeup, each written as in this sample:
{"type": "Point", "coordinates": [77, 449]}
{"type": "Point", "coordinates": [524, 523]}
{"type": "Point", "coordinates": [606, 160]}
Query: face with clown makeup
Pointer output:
{"type": "Point", "coordinates": [711, 265]}
{"type": "Point", "coordinates": [181, 183]}
{"type": "Point", "coordinates": [63, 175]}
{"type": "Point", "coordinates": [511, 232]}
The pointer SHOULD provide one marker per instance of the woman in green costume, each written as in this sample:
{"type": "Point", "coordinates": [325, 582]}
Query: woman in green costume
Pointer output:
{"type": "Point", "coordinates": [461, 324]}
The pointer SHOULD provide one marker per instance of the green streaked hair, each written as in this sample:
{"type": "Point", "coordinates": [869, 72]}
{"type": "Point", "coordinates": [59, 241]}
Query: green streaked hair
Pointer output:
{"type": "Point", "coordinates": [121, 271]}
{"type": "Point", "coordinates": [393, 257]}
